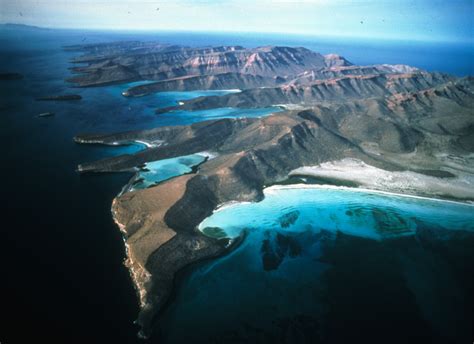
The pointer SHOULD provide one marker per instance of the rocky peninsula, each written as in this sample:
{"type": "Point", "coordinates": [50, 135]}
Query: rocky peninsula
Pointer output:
{"type": "Point", "coordinates": [390, 118]}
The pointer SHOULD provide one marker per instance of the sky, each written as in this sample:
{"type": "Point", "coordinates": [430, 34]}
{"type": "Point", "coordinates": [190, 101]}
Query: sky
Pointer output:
{"type": "Point", "coordinates": [427, 20]}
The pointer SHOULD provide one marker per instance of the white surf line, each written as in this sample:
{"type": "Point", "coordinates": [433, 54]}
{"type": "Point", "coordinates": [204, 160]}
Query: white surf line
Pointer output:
{"type": "Point", "coordinates": [229, 204]}
{"type": "Point", "coordinates": [272, 190]}
{"type": "Point", "coordinates": [149, 144]}
{"type": "Point", "coordinates": [209, 155]}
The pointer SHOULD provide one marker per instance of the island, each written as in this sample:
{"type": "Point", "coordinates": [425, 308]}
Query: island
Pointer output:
{"type": "Point", "coordinates": [386, 127]}
{"type": "Point", "coordinates": [60, 97]}
{"type": "Point", "coordinates": [46, 114]}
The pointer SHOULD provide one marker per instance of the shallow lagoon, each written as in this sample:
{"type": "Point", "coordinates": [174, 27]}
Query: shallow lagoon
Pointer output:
{"type": "Point", "coordinates": [157, 171]}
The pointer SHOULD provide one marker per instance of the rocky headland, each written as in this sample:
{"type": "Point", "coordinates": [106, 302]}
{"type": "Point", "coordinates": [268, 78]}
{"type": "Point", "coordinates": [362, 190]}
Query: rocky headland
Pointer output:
{"type": "Point", "coordinates": [395, 120]}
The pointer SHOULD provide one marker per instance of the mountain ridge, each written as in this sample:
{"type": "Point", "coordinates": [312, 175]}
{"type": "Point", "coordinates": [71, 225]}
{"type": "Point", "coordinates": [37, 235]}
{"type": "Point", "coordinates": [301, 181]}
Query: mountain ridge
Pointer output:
{"type": "Point", "coordinates": [154, 61]}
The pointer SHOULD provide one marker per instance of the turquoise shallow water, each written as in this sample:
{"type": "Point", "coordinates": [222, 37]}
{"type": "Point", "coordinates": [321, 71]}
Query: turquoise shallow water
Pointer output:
{"type": "Point", "coordinates": [364, 214]}
{"type": "Point", "coordinates": [329, 265]}
{"type": "Point", "coordinates": [157, 171]}
{"type": "Point", "coordinates": [161, 99]}
{"type": "Point", "coordinates": [189, 117]}
{"type": "Point", "coordinates": [143, 108]}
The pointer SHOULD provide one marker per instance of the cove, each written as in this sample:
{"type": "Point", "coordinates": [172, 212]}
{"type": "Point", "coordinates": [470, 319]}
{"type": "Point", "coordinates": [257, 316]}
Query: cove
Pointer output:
{"type": "Point", "coordinates": [157, 171]}
{"type": "Point", "coordinates": [365, 214]}
{"type": "Point", "coordinates": [330, 264]}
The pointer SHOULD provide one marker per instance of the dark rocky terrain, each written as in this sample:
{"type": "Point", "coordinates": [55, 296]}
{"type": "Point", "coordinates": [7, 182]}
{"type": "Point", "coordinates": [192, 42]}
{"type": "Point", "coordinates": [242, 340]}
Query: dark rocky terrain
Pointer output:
{"type": "Point", "coordinates": [393, 117]}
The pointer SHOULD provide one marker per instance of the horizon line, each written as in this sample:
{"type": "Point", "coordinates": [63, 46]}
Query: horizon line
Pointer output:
{"type": "Point", "coordinates": [297, 34]}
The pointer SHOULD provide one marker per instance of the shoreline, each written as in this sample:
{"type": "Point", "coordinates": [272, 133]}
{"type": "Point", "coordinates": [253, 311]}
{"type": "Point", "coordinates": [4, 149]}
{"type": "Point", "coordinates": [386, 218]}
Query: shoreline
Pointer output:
{"type": "Point", "coordinates": [136, 272]}
{"type": "Point", "coordinates": [181, 274]}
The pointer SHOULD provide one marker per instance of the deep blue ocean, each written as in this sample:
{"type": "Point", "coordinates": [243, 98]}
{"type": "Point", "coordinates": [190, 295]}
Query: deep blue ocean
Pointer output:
{"type": "Point", "coordinates": [63, 277]}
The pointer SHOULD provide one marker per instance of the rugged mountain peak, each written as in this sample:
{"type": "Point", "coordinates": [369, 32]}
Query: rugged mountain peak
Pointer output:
{"type": "Point", "coordinates": [335, 60]}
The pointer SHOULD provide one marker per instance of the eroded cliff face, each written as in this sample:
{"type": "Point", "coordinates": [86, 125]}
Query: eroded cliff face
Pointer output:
{"type": "Point", "coordinates": [390, 117]}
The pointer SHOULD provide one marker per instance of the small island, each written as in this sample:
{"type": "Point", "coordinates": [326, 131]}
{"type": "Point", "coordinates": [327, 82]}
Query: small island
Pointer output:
{"type": "Point", "coordinates": [46, 114]}
{"type": "Point", "coordinates": [60, 97]}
